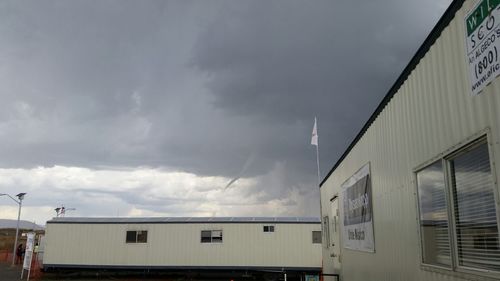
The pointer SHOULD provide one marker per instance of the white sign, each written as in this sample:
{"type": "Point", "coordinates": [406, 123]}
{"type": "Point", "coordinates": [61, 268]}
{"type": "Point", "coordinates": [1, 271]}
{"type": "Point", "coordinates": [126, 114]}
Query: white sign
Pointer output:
{"type": "Point", "coordinates": [357, 230]}
{"type": "Point", "coordinates": [483, 44]}
{"type": "Point", "coordinates": [28, 254]}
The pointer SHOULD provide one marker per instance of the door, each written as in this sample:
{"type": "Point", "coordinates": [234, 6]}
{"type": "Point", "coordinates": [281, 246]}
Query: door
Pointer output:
{"type": "Point", "coordinates": [335, 235]}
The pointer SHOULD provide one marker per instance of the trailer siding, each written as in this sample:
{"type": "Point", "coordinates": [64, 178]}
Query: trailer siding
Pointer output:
{"type": "Point", "coordinates": [178, 244]}
{"type": "Point", "coordinates": [430, 115]}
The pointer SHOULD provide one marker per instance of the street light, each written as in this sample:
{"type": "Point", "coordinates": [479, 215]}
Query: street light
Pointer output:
{"type": "Point", "coordinates": [20, 203]}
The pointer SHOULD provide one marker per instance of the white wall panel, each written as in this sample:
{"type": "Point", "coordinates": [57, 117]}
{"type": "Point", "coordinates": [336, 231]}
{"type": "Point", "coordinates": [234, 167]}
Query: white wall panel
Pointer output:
{"type": "Point", "coordinates": [431, 114]}
{"type": "Point", "coordinates": [179, 245]}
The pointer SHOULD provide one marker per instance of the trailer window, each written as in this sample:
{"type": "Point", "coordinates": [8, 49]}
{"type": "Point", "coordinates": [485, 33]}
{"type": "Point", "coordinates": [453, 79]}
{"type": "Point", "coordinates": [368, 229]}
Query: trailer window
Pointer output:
{"type": "Point", "coordinates": [457, 200]}
{"type": "Point", "coordinates": [268, 228]}
{"type": "Point", "coordinates": [142, 236]}
{"type": "Point", "coordinates": [134, 236]}
{"type": "Point", "coordinates": [316, 237]}
{"type": "Point", "coordinates": [211, 236]}
{"type": "Point", "coordinates": [474, 209]}
{"type": "Point", "coordinates": [434, 215]}
{"type": "Point", "coordinates": [131, 237]}
{"type": "Point", "coordinates": [206, 236]}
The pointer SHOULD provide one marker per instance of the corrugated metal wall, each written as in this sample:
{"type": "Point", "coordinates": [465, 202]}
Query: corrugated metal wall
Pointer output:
{"type": "Point", "coordinates": [432, 113]}
{"type": "Point", "coordinates": [179, 245]}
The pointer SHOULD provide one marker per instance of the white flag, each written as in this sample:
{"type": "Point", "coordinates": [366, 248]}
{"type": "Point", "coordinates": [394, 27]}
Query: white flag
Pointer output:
{"type": "Point", "coordinates": [314, 139]}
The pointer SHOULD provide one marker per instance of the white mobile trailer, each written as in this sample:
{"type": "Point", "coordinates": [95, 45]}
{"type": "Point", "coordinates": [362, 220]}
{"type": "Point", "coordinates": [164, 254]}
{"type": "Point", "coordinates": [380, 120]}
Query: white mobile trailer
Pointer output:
{"type": "Point", "coordinates": [416, 196]}
{"type": "Point", "coordinates": [225, 243]}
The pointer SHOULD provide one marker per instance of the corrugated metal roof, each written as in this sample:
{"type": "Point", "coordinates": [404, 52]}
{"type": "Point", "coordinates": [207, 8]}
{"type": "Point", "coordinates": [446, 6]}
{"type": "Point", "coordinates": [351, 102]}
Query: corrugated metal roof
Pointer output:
{"type": "Point", "coordinates": [128, 220]}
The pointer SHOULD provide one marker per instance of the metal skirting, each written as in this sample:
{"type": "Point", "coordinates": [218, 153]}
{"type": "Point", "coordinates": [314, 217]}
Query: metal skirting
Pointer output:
{"type": "Point", "coordinates": [184, 268]}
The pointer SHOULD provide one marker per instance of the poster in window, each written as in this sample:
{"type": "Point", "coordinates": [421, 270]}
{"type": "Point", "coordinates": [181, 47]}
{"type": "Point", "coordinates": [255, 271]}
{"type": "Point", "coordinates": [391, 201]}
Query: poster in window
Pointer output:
{"type": "Point", "coordinates": [357, 230]}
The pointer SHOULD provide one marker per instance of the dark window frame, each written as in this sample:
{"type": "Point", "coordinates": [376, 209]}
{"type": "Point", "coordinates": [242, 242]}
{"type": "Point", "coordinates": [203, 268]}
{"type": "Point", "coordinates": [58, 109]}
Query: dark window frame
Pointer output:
{"type": "Point", "coordinates": [268, 228]}
{"type": "Point", "coordinates": [210, 236]}
{"type": "Point", "coordinates": [136, 237]}
{"type": "Point", "coordinates": [317, 239]}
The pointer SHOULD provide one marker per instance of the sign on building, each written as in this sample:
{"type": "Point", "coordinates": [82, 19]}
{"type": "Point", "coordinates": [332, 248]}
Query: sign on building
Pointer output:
{"type": "Point", "coordinates": [483, 44]}
{"type": "Point", "coordinates": [357, 231]}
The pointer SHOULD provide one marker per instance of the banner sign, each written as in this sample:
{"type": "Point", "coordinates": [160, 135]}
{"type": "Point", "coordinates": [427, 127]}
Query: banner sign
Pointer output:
{"type": "Point", "coordinates": [28, 254]}
{"type": "Point", "coordinates": [357, 231]}
{"type": "Point", "coordinates": [483, 43]}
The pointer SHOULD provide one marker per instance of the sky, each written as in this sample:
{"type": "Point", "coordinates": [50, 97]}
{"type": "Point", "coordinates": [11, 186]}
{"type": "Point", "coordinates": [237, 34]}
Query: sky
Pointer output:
{"type": "Point", "coordinates": [190, 108]}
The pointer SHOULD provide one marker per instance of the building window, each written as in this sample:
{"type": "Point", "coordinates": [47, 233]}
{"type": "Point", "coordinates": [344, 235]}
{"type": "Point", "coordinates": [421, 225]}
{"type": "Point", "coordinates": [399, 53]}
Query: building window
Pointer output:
{"type": "Point", "coordinates": [474, 209]}
{"type": "Point", "coordinates": [434, 215]}
{"type": "Point", "coordinates": [211, 236]}
{"type": "Point", "coordinates": [268, 228]}
{"type": "Point", "coordinates": [316, 237]}
{"type": "Point", "coordinates": [326, 232]}
{"type": "Point", "coordinates": [457, 200]}
{"type": "Point", "coordinates": [137, 236]}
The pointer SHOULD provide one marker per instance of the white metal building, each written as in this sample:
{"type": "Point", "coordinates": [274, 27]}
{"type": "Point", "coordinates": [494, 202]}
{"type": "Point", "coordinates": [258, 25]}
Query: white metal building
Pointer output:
{"type": "Point", "coordinates": [415, 196]}
{"type": "Point", "coordinates": [281, 244]}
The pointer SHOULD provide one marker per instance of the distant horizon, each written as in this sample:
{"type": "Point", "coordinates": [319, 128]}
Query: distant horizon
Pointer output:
{"type": "Point", "coordinates": [23, 224]}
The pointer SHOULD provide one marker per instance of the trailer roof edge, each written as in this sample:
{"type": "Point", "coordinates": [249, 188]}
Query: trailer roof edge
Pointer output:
{"type": "Point", "coordinates": [443, 22]}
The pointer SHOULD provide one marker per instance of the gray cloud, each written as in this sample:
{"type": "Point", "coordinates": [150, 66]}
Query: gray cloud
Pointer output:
{"type": "Point", "coordinates": [282, 62]}
{"type": "Point", "coordinates": [198, 86]}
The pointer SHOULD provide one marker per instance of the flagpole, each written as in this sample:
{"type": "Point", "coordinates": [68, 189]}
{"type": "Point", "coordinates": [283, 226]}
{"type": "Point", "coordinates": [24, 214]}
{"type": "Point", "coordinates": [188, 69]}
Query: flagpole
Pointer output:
{"type": "Point", "coordinates": [317, 160]}
{"type": "Point", "coordinates": [315, 141]}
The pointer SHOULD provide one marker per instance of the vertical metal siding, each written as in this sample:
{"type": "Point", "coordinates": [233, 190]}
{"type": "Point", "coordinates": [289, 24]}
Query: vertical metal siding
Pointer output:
{"type": "Point", "coordinates": [430, 115]}
{"type": "Point", "coordinates": [179, 245]}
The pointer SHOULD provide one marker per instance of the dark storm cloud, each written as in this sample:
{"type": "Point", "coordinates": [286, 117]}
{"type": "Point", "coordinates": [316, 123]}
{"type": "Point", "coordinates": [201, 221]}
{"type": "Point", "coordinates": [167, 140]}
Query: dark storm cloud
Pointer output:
{"type": "Point", "coordinates": [214, 88]}
{"type": "Point", "coordinates": [282, 62]}
{"type": "Point", "coordinates": [83, 82]}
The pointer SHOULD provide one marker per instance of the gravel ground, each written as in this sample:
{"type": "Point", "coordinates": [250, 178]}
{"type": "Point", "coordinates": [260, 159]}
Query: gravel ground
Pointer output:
{"type": "Point", "coordinates": [8, 273]}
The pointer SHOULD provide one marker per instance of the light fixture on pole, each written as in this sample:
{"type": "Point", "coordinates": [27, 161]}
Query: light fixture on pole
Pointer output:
{"type": "Point", "coordinates": [20, 203]}
{"type": "Point", "coordinates": [58, 209]}
{"type": "Point", "coordinates": [61, 211]}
